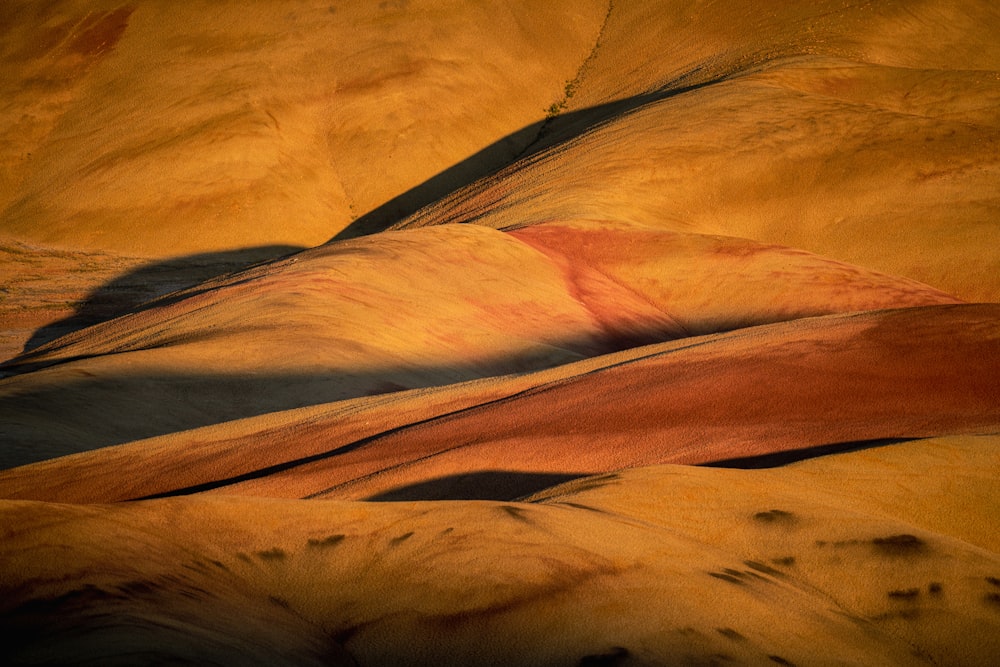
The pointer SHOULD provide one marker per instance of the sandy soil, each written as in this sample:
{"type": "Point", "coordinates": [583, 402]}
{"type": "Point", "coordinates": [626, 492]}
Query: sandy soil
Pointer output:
{"type": "Point", "coordinates": [710, 375]}
{"type": "Point", "coordinates": [385, 313]}
{"type": "Point", "coordinates": [829, 561]}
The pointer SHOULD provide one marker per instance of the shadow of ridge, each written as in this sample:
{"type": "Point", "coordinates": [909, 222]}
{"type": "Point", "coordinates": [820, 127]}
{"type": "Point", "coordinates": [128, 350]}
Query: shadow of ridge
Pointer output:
{"type": "Point", "coordinates": [778, 459]}
{"type": "Point", "coordinates": [485, 485]}
{"type": "Point", "coordinates": [82, 413]}
{"type": "Point", "coordinates": [522, 144]}
{"type": "Point", "coordinates": [146, 287]}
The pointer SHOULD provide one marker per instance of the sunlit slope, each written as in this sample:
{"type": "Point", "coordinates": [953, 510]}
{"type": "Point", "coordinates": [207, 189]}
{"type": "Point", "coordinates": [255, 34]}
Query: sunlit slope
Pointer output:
{"type": "Point", "coordinates": [409, 309]}
{"type": "Point", "coordinates": [708, 283]}
{"type": "Point", "coordinates": [862, 132]}
{"type": "Point", "coordinates": [868, 133]}
{"type": "Point", "coordinates": [856, 131]}
{"type": "Point", "coordinates": [831, 557]}
{"type": "Point", "coordinates": [745, 237]}
{"type": "Point", "coordinates": [161, 128]}
{"type": "Point", "coordinates": [648, 44]}
{"type": "Point", "coordinates": [838, 381]}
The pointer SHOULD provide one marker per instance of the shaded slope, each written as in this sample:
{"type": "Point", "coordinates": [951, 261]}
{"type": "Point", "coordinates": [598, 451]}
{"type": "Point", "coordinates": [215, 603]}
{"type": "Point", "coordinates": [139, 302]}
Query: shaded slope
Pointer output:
{"type": "Point", "coordinates": [617, 567]}
{"type": "Point", "coordinates": [53, 292]}
{"type": "Point", "coordinates": [904, 373]}
{"type": "Point", "coordinates": [387, 313]}
{"type": "Point", "coordinates": [708, 255]}
{"type": "Point", "coordinates": [841, 379]}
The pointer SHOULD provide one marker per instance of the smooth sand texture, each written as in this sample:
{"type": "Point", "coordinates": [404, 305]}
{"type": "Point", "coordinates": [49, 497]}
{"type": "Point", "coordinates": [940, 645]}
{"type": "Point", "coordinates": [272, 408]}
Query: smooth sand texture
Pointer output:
{"type": "Point", "coordinates": [277, 123]}
{"type": "Point", "coordinates": [867, 133]}
{"type": "Point", "coordinates": [712, 377]}
{"type": "Point", "coordinates": [804, 565]}
{"type": "Point", "coordinates": [386, 313]}
{"type": "Point", "coordinates": [721, 398]}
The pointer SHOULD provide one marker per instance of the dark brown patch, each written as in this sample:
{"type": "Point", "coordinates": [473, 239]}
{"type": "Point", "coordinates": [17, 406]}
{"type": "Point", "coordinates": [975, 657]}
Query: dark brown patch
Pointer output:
{"type": "Point", "coordinates": [191, 595]}
{"type": "Point", "coordinates": [779, 660]}
{"type": "Point", "coordinates": [775, 516]}
{"type": "Point", "coordinates": [396, 541]}
{"type": "Point", "coordinates": [587, 508]}
{"type": "Point", "coordinates": [784, 561]}
{"type": "Point", "coordinates": [839, 544]}
{"type": "Point", "coordinates": [992, 599]}
{"type": "Point", "coordinates": [385, 387]}
{"type": "Point", "coordinates": [101, 34]}
{"type": "Point", "coordinates": [727, 577]}
{"type": "Point", "coordinates": [515, 512]}
{"type": "Point", "coordinates": [271, 554]}
{"type": "Point", "coordinates": [345, 635]}
{"type": "Point", "coordinates": [615, 656]}
{"type": "Point", "coordinates": [279, 602]}
{"type": "Point", "coordinates": [766, 569]}
{"type": "Point", "coordinates": [85, 596]}
{"type": "Point", "coordinates": [994, 581]}
{"type": "Point", "coordinates": [329, 541]}
{"type": "Point", "coordinates": [180, 582]}
{"type": "Point", "coordinates": [934, 588]}
{"type": "Point", "coordinates": [196, 565]}
{"type": "Point", "coordinates": [729, 633]}
{"type": "Point", "coordinates": [907, 594]}
{"type": "Point", "coordinates": [899, 545]}
{"type": "Point", "coordinates": [907, 613]}
{"type": "Point", "coordinates": [561, 579]}
{"type": "Point", "coordinates": [846, 543]}
{"type": "Point", "coordinates": [219, 564]}
{"type": "Point", "coordinates": [689, 632]}
{"type": "Point", "coordinates": [136, 588]}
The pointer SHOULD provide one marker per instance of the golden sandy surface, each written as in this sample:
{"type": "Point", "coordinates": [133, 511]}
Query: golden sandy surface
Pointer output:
{"type": "Point", "coordinates": [430, 332]}
{"type": "Point", "coordinates": [852, 559]}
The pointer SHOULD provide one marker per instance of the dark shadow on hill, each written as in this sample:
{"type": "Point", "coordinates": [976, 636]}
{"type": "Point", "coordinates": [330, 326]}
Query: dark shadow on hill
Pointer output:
{"type": "Point", "coordinates": [523, 144]}
{"type": "Point", "coordinates": [486, 485]}
{"type": "Point", "coordinates": [146, 286]}
{"type": "Point", "coordinates": [778, 459]}
{"type": "Point", "coordinates": [83, 412]}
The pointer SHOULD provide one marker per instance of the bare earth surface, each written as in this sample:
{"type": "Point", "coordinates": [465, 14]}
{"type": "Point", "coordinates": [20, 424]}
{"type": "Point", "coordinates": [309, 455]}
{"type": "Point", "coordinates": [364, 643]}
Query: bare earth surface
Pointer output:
{"type": "Point", "coordinates": [439, 333]}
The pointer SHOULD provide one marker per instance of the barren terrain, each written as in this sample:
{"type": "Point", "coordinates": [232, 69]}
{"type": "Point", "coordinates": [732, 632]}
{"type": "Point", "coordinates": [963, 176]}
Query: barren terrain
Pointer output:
{"type": "Point", "coordinates": [566, 333]}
